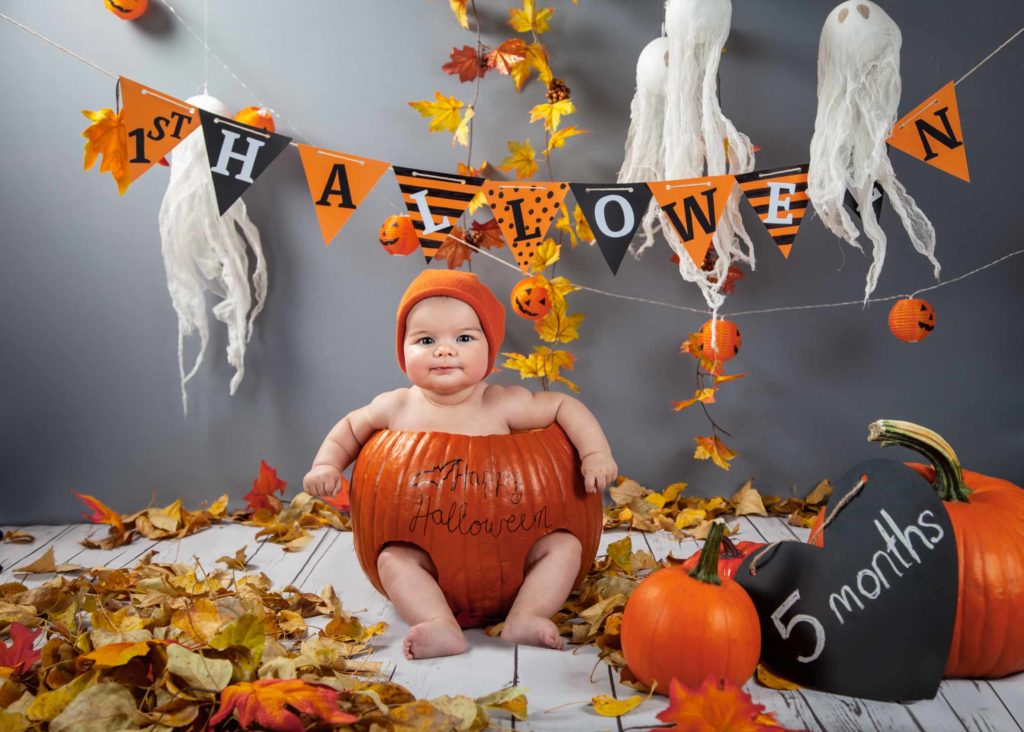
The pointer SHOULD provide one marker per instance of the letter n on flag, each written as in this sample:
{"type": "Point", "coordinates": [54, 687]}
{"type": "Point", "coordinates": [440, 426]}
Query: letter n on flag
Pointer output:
{"type": "Point", "coordinates": [779, 198]}
{"type": "Point", "coordinates": [932, 133]}
{"type": "Point", "coordinates": [338, 183]}
{"type": "Point", "coordinates": [694, 207]}
{"type": "Point", "coordinates": [436, 201]}
{"type": "Point", "coordinates": [156, 123]}
{"type": "Point", "coordinates": [524, 211]}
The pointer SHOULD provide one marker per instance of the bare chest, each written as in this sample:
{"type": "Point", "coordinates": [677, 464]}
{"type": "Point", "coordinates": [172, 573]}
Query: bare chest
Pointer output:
{"type": "Point", "coordinates": [458, 420]}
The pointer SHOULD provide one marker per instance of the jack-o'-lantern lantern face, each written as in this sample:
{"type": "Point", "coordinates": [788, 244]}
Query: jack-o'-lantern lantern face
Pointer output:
{"type": "Point", "coordinates": [398, 236]}
{"type": "Point", "coordinates": [126, 9]}
{"type": "Point", "coordinates": [912, 320]}
{"type": "Point", "coordinates": [727, 340]}
{"type": "Point", "coordinates": [531, 298]}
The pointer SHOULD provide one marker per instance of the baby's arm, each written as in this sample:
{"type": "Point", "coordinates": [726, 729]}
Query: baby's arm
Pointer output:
{"type": "Point", "coordinates": [343, 442]}
{"type": "Point", "coordinates": [528, 410]}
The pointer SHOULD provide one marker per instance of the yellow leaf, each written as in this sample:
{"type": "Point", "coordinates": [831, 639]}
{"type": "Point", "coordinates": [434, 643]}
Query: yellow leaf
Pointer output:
{"type": "Point", "coordinates": [820, 493]}
{"type": "Point", "coordinates": [552, 113]}
{"type": "Point", "coordinates": [537, 57]}
{"type": "Point", "coordinates": [511, 699]}
{"type": "Point", "coordinates": [235, 562]}
{"type": "Point", "coordinates": [558, 326]}
{"type": "Point", "coordinates": [116, 654]}
{"type": "Point", "coordinates": [608, 706]}
{"type": "Point", "coordinates": [706, 396]}
{"type": "Point", "coordinates": [747, 501]}
{"type": "Point", "coordinates": [728, 377]}
{"type": "Point", "coordinates": [772, 681]}
{"type": "Point", "coordinates": [291, 623]}
{"type": "Point", "coordinates": [711, 448]}
{"type": "Point", "coordinates": [108, 136]}
{"type": "Point", "coordinates": [461, 135]}
{"type": "Point", "coordinates": [564, 224]}
{"type": "Point", "coordinates": [529, 19]}
{"type": "Point", "coordinates": [583, 230]}
{"type": "Point", "coordinates": [523, 159]}
{"type": "Point", "coordinates": [673, 491]}
{"type": "Point", "coordinates": [690, 517]}
{"type": "Point", "coordinates": [219, 507]}
{"type": "Point", "coordinates": [212, 674]}
{"type": "Point", "coordinates": [48, 704]}
{"type": "Point", "coordinates": [459, 8]}
{"type": "Point", "coordinates": [200, 620]}
{"type": "Point", "coordinates": [547, 253]}
{"type": "Point", "coordinates": [656, 499]}
{"type": "Point", "coordinates": [443, 113]}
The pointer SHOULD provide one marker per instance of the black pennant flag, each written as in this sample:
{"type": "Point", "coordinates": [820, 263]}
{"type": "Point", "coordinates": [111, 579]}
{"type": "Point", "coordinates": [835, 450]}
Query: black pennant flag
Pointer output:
{"type": "Point", "coordinates": [238, 155]}
{"type": "Point", "coordinates": [614, 211]}
{"type": "Point", "coordinates": [877, 197]}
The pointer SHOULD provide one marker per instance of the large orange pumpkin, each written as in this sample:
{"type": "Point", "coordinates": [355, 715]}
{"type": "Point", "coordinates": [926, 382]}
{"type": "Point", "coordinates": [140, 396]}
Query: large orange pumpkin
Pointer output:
{"type": "Point", "coordinates": [475, 504]}
{"type": "Point", "coordinates": [688, 624]}
{"type": "Point", "coordinates": [398, 236]}
{"type": "Point", "coordinates": [987, 515]}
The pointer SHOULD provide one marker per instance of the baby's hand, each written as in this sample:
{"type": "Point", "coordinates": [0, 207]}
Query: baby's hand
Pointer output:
{"type": "Point", "coordinates": [323, 480]}
{"type": "Point", "coordinates": [598, 470]}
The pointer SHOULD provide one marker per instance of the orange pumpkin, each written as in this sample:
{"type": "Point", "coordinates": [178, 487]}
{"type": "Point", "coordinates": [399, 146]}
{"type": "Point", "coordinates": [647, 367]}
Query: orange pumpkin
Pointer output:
{"type": "Point", "coordinates": [912, 320]}
{"type": "Point", "coordinates": [127, 9]}
{"type": "Point", "coordinates": [729, 558]}
{"type": "Point", "coordinates": [531, 299]}
{"type": "Point", "coordinates": [987, 515]}
{"type": "Point", "coordinates": [690, 624]}
{"type": "Point", "coordinates": [398, 236]}
{"type": "Point", "coordinates": [475, 504]}
{"type": "Point", "coordinates": [727, 337]}
{"type": "Point", "coordinates": [257, 116]}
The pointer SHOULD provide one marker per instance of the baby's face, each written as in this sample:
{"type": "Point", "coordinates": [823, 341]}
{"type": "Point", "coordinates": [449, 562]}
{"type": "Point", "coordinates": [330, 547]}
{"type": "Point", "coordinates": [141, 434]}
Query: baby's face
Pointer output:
{"type": "Point", "coordinates": [445, 347]}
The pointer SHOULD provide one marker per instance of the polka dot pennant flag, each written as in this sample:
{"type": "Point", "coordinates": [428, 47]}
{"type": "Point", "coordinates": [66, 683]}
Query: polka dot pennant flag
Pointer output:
{"type": "Point", "coordinates": [524, 210]}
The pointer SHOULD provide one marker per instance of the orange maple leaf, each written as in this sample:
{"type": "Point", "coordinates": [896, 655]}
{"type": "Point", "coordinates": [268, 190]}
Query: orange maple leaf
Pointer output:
{"type": "Point", "coordinates": [341, 499]}
{"type": "Point", "coordinates": [491, 233]}
{"type": "Point", "coordinates": [712, 448]}
{"type": "Point", "coordinates": [507, 55]}
{"type": "Point", "coordinates": [718, 706]}
{"type": "Point", "coordinates": [263, 488]}
{"type": "Point", "coordinates": [262, 704]}
{"type": "Point", "coordinates": [100, 513]}
{"type": "Point", "coordinates": [108, 136]}
{"type": "Point", "coordinates": [19, 656]}
{"type": "Point", "coordinates": [466, 63]}
{"type": "Point", "coordinates": [453, 249]}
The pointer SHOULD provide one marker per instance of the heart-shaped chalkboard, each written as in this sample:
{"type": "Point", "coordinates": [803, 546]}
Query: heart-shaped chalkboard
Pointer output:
{"type": "Point", "coordinates": [871, 614]}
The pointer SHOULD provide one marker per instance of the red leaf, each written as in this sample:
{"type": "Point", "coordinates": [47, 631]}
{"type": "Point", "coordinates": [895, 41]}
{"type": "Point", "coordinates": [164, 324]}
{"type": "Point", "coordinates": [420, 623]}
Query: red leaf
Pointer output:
{"type": "Point", "coordinates": [340, 500]}
{"type": "Point", "coordinates": [19, 655]}
{"type": "Point", "coordinates": [507, 55]}
{"type": "Point", "coordinates": [100, 513]}
{"type": "Point", "coordinates": [263, 488]}
{"type": "Point", "coordinates": [491, 233]}
{"type": "Point", "coordinates": [262, 704]}
{"type": "Point", "coordinates": [718, 706]}
{"type": "Point", "coordinates": [466, 64]}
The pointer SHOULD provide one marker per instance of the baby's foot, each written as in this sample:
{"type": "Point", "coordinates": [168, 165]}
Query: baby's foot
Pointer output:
{"type": "Point", "coordinates": [532, 630]}
{"type": "Point", "coordinates": [432, 638]}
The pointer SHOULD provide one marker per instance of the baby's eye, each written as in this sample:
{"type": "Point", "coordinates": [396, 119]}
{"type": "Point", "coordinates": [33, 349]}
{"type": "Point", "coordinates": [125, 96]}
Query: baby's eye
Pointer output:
{"type": "Point", "coordinates": [465, 338]}
{"type": "Point", "coordinates": [425, 341]}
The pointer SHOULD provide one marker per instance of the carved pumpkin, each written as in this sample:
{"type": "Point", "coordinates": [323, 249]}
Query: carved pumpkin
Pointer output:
{"type": "Point", "coordinates": [398, 236]}
{"type": "Point", "coordinates": [729, 558]}
{"type": "Point", "coordinates": [687, 625]}
{"type": "Point", "coordinates": [475, 504]}
{"type": "Point", "coordinates": [127, 9]}
{"type": "Point", "coordinates": [911, 320]}
{"type": "Point", "coordinates": [256, 116]}
{"type": "Point", "coordinates": [987, 515]}
{"type": "Point", "coordinates": [531, 299]}
{"type": "Point", "coordinates": [728, 341]}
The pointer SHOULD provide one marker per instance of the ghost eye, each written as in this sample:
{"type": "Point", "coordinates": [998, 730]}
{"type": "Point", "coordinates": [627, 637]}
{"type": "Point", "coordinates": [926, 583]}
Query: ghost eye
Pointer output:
{"type": "Point", "coordinates": [864, 10]}
{"type": "Point", "coordinates": [842, 14]}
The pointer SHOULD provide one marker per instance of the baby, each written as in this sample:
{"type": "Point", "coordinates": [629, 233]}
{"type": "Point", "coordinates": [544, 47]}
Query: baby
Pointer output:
{"type": "Point", "coordinates": [449, 331]}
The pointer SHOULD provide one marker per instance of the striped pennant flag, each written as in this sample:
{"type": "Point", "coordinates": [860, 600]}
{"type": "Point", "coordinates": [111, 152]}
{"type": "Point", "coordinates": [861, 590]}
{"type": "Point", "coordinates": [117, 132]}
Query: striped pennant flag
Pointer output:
{"type": "Point", "coordinates": [779, 196]}
{"type": "Point", "coordinates": [435, 202]}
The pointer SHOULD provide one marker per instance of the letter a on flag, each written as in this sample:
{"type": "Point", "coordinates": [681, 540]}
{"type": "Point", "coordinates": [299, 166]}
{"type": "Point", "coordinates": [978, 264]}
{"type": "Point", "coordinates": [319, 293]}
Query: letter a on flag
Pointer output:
{"type": "Point", "coordinates": [779, 198]}
{"type": "Point", "coordinates": [932, 133]}
{"type": "Point", "coordinates": [694, 207]}
{"type": "Point", "coordinates": [338, 183]}
{"type": "Point", "coordinates": [156, 123]}
{"type": "Point", "coordinates": [524, 211]}
{"type": "Point", "coordinates": [435, 202]}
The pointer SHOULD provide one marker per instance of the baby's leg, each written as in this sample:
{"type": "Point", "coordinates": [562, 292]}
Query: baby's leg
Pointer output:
{"type": "Point", "coordinates": [408, 576]}
{"type": "Point", "coordinates": [551, 569]}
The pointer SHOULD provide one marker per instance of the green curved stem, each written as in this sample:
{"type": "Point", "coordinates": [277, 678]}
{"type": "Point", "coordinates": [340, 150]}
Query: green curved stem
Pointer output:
{"type": "Point", "coordinates": [706, 570]}
{"type": "Point", "coordinates": [949, 478]}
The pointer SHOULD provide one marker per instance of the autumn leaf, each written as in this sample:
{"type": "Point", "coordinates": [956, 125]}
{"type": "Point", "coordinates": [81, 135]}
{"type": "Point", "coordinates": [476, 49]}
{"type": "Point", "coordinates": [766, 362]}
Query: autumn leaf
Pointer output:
{"type": "Point", "coordinates": [712, 448]}
{"type": "Point", "coordinates": [461, 135]}
{"type": "Point", "coordinates": [511, 699]}
{"type": "Point", "coordinates": [113, 655]}
{"type": "Point", "coordinates": [773, 681]}
{"type": "Point", "coordinates": [718, 706]}
{"type": "Point", "coordinates": [340, 500]}
{"type": "Point", "coordinates": [480, 199]}
{"type": "Point", "coordinates": [705, 396]}
{"type": "Point", "coordinates": [507, 55]}
{"type": "Point", "coordinates": [558, 325]}
{"type": "Point", "coordinates": [100, 513]}
{"type": "Point", "coordinates": [443, 113]}
{"type": "Point", "coordinates": [552, 113]}
{"type": "Point", "coordinates": [263, 703]}
{"type": "Point", "coordinates": [235, 562]}
{"type": "Point", "coordinates": [609, 706]}
{"type": "Point", "coordinates": [559, 137]}
{"type": "Point", "coordinates": [490, 233]}
{"type": "Point", "coordinates": [466, 63]}
{"type": "Point", "coordinates": [263, 489]}
{"type": "Point", "coordinates": [46, 564]}
{"type": "Point", "coordinates": [17, 536]}
{"type": "Point", "coordinates": [529, 19]}
{"type": "Point", "coordinates": [523, 159]}
{"type": "Point", "coordinates": [453, 249]}
{"type": "Point", "coordinates": [747, 501]}
{"type": "Point", "coordinates": [108, 136]}
{"type": "Point", "coordinates": [542, 363]}
{"type": "Point", "coordinates": [19, 655]}
{"type": "Point", "coordinates": [547, 253]}
{"type": "Point", "coordinates": [459, 8]}
{"type": "Point", "coordinates": [723, 378]}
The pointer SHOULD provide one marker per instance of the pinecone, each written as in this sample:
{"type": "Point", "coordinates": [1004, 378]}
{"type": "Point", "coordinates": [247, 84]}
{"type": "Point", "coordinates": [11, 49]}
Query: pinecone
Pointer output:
{"type": "Point", "coordinates": [473, 237]}
{"type": "Point", "coordinates": [557, 91]}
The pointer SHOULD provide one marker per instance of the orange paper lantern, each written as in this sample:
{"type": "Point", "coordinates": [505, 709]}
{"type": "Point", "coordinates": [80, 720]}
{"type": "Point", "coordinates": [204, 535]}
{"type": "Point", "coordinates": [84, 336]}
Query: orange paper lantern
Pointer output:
{"type": "Point", "coordinates": [911, 320]}
{"type": "Point", "coordinates": [728, 340]}
{"type": "Point", "coordinates": [257, 117]}
{"type": "Point", "coordinates": [398, 236]}
{"type": "Point", "coordinates": [127, 9]}
{"type": "Point", "coordinates": [531, 299]}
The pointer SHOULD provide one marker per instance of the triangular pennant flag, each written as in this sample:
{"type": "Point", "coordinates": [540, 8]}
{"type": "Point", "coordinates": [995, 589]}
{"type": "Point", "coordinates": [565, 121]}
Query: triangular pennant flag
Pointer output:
{"type": "Point", "coordinates": [931, 132]}
{"type": "Point", "coordinates": [694, 207]}
{"type": "Point", "coordinates": [614, 211]}
{"type": "Point", "coordinates": [156, 123]}
{"type": "Point", "coordinates": [338, 183]}
{"type": "Point", "coordinates": [877, 197]}
{"type": "Point", "coordinates": [779, 197]}
{"type": "Point", "coordinates": [238, 154]}
{"type": "Point", "coordinates": [524, 211]}
{"type": "Point", "coordinates": [435, 202]}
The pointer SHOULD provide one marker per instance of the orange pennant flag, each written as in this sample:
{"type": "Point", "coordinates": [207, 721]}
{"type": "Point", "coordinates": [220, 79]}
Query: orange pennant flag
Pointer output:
{"type": "Point", "coordinates": [779, 197]}
{"type": "Point", "coordinates": [524, 211]}
{"type": "Point", "coordinates": [694, 207]}
{"type": "Point", "coordinates": [156, 123]}
{"type": "Point", "coordinates": [931, 132]}
{"type": "Point", "coordinates": [338, 183]}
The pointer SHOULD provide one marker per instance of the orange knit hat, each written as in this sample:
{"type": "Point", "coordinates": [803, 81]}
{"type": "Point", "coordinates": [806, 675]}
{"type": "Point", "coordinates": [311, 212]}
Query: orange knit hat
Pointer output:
{"type": "Point", "coordinates": [464, 286]}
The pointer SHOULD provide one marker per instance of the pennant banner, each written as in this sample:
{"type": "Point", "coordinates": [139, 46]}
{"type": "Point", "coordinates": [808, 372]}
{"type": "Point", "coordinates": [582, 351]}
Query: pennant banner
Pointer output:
{"type": "Point", "coordinates": [338, 183]}
{"type": "Point", "coordinates": [614, 212]}
{"type": "Point", "coordinates": [524, 211]}
{"type": "Point", "coordinates": [877, 197]}
{"type": "Point", "coordinates": [932, 133]}
{"type": "Point", "coordinates": [779, 197]}
{"type": "Point", "coordinates": [694, 207]}
{"type": "Point", "coordinates": [238, 154]}
{"type": "Point", "coordinates": [435, 202]}
{"type": "Point", "coordinates": [155, 122]}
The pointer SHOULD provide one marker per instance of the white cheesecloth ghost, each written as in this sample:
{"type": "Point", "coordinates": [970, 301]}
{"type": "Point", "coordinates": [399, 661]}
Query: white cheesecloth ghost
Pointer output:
{"type": "Point", "coordinates": [858, 95]}
{"type": "Point", "coordinates": [645, 151]}
{"type": "Point", "coordinates": [204, 250]}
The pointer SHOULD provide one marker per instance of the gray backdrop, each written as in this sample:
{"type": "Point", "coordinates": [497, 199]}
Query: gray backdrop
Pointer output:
{"type": "Point", "coordinates": [90, 400]}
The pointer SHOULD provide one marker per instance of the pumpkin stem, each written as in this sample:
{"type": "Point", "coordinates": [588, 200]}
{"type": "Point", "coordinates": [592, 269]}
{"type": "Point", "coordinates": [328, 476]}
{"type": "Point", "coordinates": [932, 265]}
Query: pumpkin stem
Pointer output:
{"type": "Point", "coordinates": [729, 549]}
{"type": "Point", "coordinates": [949, 478]}
{"type": "Point", "coordinates": [706, 570]}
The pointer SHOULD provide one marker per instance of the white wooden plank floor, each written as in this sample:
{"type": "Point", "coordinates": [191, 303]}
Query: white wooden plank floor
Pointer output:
{"type": "Point", "coordinates": [560, 683]}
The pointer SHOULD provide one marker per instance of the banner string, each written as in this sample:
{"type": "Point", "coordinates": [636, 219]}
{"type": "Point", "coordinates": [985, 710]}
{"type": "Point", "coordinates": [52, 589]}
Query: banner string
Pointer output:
{"type": "Point", "coordinates": [985, 60]}
{"type": "Point", "coordinates": [56, 45]}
